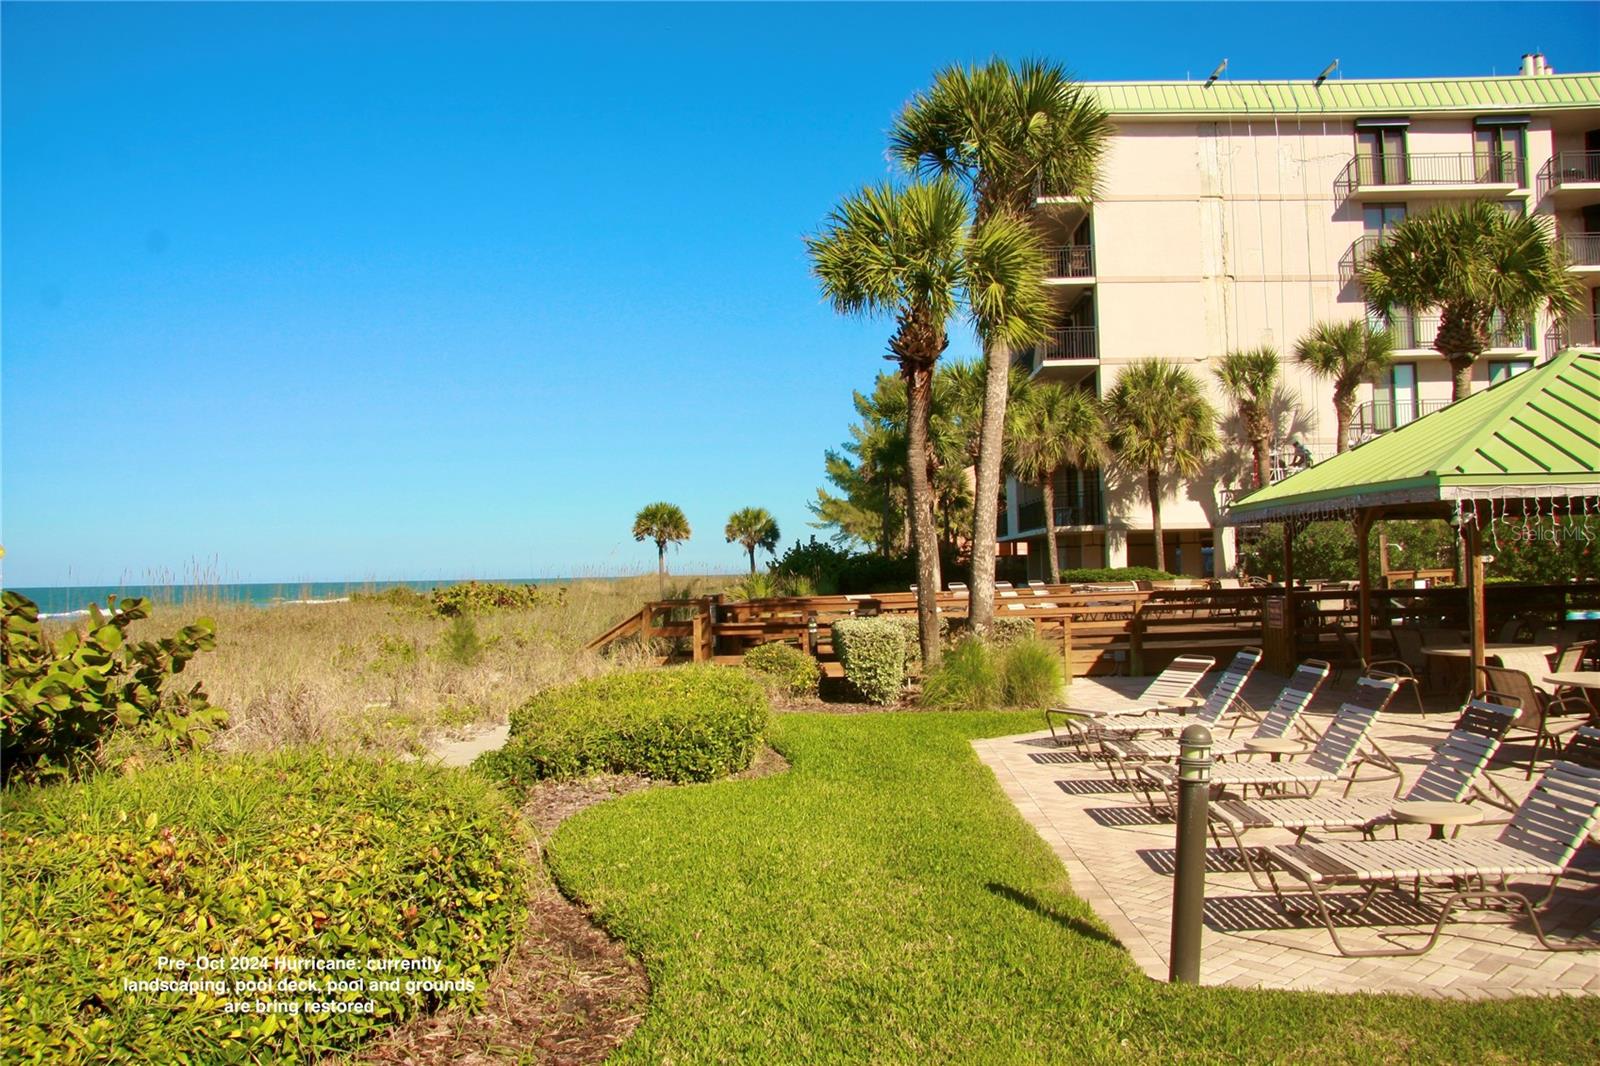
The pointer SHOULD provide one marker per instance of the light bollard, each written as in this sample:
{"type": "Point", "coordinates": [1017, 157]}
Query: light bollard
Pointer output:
{"type": "Point", "coordinates": [1189, 884]}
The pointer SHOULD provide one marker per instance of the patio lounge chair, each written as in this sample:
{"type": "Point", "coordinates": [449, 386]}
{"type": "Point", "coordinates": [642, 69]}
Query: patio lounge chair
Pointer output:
{"type": "Point", "coordinates": [1538, 708]}
{"type": "Point", "coordinates": [1336, 754]}
{"type": "Point", "coordinates": [1540, 841]}
{"type": "Point", "coordinates": [1224, 694]}
{"type": "Point", "coordinates": [1450, 775]}
{"type": "Point", "coordinates": [1282, 716]}
{"type": "Point", "coordinates": [1172, 685]}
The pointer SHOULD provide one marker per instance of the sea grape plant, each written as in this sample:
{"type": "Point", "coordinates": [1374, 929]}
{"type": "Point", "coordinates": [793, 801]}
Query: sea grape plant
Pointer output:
{"type": "Point", "coordinates": [64, 698]}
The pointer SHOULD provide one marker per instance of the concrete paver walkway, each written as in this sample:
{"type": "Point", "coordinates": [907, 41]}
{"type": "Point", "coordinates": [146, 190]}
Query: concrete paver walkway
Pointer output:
{"type": "Point", "coordinates": [1119, 856]}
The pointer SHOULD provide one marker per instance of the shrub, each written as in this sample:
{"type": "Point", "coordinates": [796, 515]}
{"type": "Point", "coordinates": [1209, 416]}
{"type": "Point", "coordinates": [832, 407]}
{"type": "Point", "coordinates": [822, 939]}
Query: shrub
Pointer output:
{"type": "Point", "coordinates": [817, 561]}
{"type": "Point", "coordinates": [913, 631]}
{"type": "Point", "coordinates": [873, 654]}
{"type": "Point", "coordinates": [1096, 575]}
{"type": "Point", "coordinates": [461, 644]}
{"type": "Point", "coordinates": [1006, 630]}
{"type": "Point", "coordinates": [300, 855]}
{"type": "Point", "coordinates": [63, 700]}
{"type": "Point", "coordinates": [787, 668]}
{"type": "Point", "coordinates": [1030, 674]}
{"type": "Point", "coordinates": [470, 596]}
{"type": "Point", "coordinates": [968, 677]}
{"type": "Point", "coordinates": [685, 723]}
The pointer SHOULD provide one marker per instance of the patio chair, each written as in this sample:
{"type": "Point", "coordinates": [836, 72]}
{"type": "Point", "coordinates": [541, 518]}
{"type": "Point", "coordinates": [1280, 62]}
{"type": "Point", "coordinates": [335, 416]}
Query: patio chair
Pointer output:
{"type": "Point", "coordinates": [1572, 656]}
{"type": "Point", "coordinates": [1282, 716]}
{"type": "Point", "coordinates": [1452, 772]}
{"type": "Point", "coordinates": [1539, 841]}
{"type": "Point", "coordinates": [1515, 631]}
{"type": "Point", "coordinates": [1335, 755]}
{"type": "Point", "coordinates": [1087, 732]}
{"type": "Point", "coordinates": [1172, 686]}
{"type": "Point", "coordinates": [1538, 708]}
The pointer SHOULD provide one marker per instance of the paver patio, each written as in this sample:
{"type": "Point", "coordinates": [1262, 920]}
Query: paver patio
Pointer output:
{"type": "Point", "coordinates": [1119, 856]}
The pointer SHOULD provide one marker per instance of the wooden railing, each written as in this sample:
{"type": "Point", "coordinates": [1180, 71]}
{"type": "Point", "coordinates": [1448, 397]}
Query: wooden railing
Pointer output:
{"type": "Point", "coordinates": [1112, 630]}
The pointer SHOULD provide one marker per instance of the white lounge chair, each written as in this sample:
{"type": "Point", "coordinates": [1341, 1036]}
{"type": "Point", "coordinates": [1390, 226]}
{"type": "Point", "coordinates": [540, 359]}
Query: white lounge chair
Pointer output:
{"type": "Point", "coordinates": [1172, 687]}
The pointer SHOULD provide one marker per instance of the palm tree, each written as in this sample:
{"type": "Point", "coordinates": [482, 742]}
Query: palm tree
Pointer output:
{"type": "Point", "coordinates": [754, 528]}
{"type": "Point", "coordinates": [1473, 263]}
{"type": "Point", "coordinates": [912, 253]}
{"type": "Point", "coordinates": [663, 523]}
{"type": "Point", "coordinates": [1160, 420]}
{"type": "Point", "coordinates": [1348, 353]}
{"type": "Point", "coordinates": [1004, 132]}
{"type": "Point", "coordinates": [1248, 377]}
{"type": "Point", "coordinates": [1055, 427]}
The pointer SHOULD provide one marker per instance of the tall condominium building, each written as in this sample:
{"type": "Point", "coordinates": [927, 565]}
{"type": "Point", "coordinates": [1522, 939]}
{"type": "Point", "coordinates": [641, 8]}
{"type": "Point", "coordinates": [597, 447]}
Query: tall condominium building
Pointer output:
{"type": "Point", "coordinates": [1235, 214]}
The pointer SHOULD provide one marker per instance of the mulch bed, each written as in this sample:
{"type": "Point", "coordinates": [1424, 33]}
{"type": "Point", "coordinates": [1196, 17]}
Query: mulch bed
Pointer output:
{"type": "Point", "coordinates": [568, 994]}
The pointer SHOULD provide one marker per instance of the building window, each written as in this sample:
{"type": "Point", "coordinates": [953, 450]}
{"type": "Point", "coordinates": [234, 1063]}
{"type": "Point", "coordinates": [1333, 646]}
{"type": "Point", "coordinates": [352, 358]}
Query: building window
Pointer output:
{"type": "Point", "coordinates": [1500, 149]}
{"type": "Point", "coordinates": [1402, 402]}
{"type": "Point", "coordinates": [1378, 219]}
{"type": "Point", "coordinates": [1500, 369]}
{"type": "Point", "coordinates": [1382, 152]}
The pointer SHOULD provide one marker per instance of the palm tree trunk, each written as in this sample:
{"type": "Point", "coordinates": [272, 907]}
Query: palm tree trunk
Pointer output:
{"type": "Point", "coordinates": [1344, 405]}
{"type": "Point", "coordinates": [986, 493]}
{"type": "Point", "coordinates": [1461, 373]}
{"type": "Point", "coordinates": [919, 389]}
{"type": "Point", "coordinates": [1048, 489]}
{"type": "Point", "coordinates": [752, 549]}
{"type": "Point", "coordinates": [1263, 461]}
{"type": "Point", "coordinates": [661, 568]}
{"type": "Point", "coordinates": [1153, 484]}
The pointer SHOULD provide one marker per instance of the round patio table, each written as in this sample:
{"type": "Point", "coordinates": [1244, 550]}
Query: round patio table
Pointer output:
{"type": "Point", "coordinates": [1436, 813]}
{"type": "Point", "coordinates": [1448, 654]}
{"type": "Point", "coordinates": [1588, 680]}
{"type": "Point", "coordinates": [1277, 747]}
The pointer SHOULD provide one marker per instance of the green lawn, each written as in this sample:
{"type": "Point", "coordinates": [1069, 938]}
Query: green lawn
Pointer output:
{"type": "Point", "coordinates": [883, 901]}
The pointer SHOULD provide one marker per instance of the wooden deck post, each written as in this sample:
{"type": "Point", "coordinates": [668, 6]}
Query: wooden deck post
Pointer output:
{"type": "Point", "coordinates": [1066, 645]}
{"type": "Point", "coordinates": [697, 638]}
{"type": "Point", "coordinates": [1472, 541]}
{"type": "Point", "coordinates": [647, 624]}
{"type": "Point", "coordinates": [1364, 601]}
{"type": "Point", "coordinates": [1136, 640]}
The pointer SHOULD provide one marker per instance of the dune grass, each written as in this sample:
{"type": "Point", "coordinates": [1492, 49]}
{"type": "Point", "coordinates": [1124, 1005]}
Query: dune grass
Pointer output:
{"type": "Point", "coordinates": [882, 901]}
{"type": "Point", "coordinates": [380, 674]}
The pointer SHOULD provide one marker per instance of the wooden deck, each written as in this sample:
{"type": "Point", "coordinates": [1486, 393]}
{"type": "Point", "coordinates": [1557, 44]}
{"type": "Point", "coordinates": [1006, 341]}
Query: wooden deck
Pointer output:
{"type": "Point", "coordinates": [1105, 630]}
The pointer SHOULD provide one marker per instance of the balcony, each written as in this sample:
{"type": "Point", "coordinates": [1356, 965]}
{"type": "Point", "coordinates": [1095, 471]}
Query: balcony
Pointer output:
{"type": "Point", "coordinates": [1354, 256]}
{"type": "Point", "coordinates": [1581, 331]}
{"type": "Point", "coordinates": [1583, 251]}
{"type": "Point", "coordinates": [1414, 334]}
{"type": "Point", "coordinates": [1468, 174]}
{"type": "Point", "coordinates": [1380, 416]}
{"type": "Point", "coordinates": [1572, 178]}
{"type": "Point", "coordinates": [1085, 510]}
{"type": "Point", "coordinates": [1068, 354]}
{"type": "Point", "coordinates": [1070, 263]}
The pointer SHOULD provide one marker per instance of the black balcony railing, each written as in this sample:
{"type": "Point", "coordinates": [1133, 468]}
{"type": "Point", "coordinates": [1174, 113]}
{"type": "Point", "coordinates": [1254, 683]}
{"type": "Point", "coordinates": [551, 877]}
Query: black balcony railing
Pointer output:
{"type": "Point", "coordinates": [1417, 333]}
{"type": "Point", "coordinates": [1355, 255]}
{"type": "Point", "coordinates": [1066, 344]}
{"type": "Point", "coordinates": [1583, 249]}
{"type": "Point", "coordinates": [1084, 510]}
{"type": "Point", "coordinates": [1579, 331]}
{"type": "Point", "coordinates": [1431, 168]}
{"type": "Point", "coordinates": [1380, 416]}
{"type": "Point", "coordinates": [1569, 168]}
{"type": "Point", "coordinates": [1071, 261]}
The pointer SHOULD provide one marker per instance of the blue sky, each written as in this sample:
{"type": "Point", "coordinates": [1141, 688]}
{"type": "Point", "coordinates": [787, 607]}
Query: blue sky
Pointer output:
{"type": "Point", "coordinates": [374, 291]}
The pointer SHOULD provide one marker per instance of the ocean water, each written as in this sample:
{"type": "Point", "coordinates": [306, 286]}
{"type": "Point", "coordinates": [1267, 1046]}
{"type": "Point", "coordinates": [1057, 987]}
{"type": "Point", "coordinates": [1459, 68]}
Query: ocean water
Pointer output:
{"type": "Point", "coordinates": [68, 601]}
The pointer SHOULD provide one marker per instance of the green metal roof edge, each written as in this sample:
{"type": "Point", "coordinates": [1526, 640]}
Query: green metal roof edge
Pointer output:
{"type": "Point", "coordinates": [1551, 92]}
{"type": "Point", "coordinates": [1343, 476]}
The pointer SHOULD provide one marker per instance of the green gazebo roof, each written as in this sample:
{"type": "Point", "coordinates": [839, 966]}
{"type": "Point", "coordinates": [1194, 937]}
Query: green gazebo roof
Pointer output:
{"type": "Point", "coordinates": [1534, 435]}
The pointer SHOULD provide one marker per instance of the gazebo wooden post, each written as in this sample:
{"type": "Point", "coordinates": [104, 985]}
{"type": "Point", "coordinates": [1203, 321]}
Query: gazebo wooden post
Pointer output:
{"type": "Point", "coordinates": [1472, 544]}
{"type": "Point", "coordinates": [1364, 597]}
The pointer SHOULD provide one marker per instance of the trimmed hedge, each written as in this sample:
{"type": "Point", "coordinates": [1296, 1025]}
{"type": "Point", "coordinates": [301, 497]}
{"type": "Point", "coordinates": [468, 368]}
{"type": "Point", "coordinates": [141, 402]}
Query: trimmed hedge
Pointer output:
{"type": "Point", "coordinates": [683, 723]}
{"type": "Point", "coordinates": [299, 855]}
{"type": "Point", "coordinates": [785, 667]}
{"type": "Point", "coordinates": [1094, 575]}
{"type": "Point", "coordinates": [1006, 630]}
{"type": "Point", "coordinates": [913, 632]}
{"type": "Point", "coordinates": [873, 654]}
